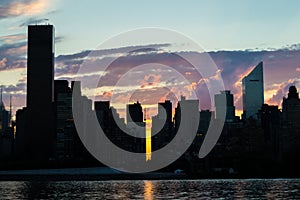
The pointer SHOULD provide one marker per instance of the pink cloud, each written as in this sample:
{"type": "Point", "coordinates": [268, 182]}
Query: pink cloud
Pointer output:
{"type": "Point", "coordinates": [278, 91]}
{"type": "Point", "coordinates": [3, 63]}
{"type": "Point", "coordinates": [28, 7]}
{"type": "Point", "coordinates": [9, 39]}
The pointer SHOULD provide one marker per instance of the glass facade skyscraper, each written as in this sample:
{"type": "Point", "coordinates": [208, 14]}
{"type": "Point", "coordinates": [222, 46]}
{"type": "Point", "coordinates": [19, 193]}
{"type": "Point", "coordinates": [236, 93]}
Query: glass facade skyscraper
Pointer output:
{"type": "Point", "coordinates": [253, 92]}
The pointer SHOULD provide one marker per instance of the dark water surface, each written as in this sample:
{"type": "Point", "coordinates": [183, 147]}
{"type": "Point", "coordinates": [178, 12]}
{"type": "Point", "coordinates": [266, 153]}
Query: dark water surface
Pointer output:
{"type": "Point", "coordinates": [164, 189]}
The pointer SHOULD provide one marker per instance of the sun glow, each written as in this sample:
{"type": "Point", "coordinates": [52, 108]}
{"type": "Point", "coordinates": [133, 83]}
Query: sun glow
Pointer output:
{"type": "Point", "coordinates": [148, 139]}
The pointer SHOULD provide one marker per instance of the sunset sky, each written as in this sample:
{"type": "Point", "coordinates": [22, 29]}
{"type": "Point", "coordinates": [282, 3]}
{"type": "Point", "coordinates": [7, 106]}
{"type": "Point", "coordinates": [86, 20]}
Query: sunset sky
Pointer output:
{"type": "Point", "coordinates": [237, 34]}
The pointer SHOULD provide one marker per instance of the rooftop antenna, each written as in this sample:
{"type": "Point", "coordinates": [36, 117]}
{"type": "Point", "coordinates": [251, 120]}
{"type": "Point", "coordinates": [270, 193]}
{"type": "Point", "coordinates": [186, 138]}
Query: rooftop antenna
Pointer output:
{"type": "Point", "coordinates": [46, 21]}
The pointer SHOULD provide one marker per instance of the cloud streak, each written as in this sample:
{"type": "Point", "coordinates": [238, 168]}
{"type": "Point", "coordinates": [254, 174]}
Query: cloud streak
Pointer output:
{"type": "Point", "coordinates": [278, 91]}
{"type": "Point", "coordinates": [281, 68]}
{"type": "Point", "coordinates": [14, 8]}
{"type": "Point", "coordinates": [10, 39]}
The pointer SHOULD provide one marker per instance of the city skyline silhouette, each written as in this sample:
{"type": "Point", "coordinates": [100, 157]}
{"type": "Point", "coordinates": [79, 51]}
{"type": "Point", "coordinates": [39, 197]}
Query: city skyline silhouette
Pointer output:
{"type": "Point", "coordinates": [52, 133]}
{"type": "Point", "coordinates": [149, 100]}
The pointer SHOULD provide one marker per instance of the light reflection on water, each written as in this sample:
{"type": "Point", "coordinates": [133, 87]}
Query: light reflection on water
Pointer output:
{"type": "Point", "coordinates": [149, 190]}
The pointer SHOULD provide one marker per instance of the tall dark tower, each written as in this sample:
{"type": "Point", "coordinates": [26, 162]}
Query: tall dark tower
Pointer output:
{"type": "Point", "coordinates": [40, 82]}
{"type": "Point", "coordinates": [134, 112]}
{"type": "Point", "coordinates": [165, 109]}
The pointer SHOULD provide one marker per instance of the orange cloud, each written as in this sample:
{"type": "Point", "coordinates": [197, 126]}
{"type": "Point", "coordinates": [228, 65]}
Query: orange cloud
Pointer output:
{"type": "Point", "coordinates": [276, 92]}
{"type": "Point", "coordinates": [10, 39]}
{"type": "Point", "coordinates": [192, 87]}
{"type": "Point", "coordinates": [17, 50]}
{"type": "Point", "coordinates": [3, 63]}
{"type": "Point", "coordinates": [107, 95]}
{"type": "Point", "coordinates": [17, 8]}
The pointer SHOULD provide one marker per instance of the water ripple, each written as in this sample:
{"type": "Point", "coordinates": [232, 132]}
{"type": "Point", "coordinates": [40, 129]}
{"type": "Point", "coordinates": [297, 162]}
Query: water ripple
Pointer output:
{"type": "Point", "coordinates": [148, 190]}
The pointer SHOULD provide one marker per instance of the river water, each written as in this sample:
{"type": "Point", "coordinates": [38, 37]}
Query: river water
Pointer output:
{"type": "Point", "coordinates": [162, 189]}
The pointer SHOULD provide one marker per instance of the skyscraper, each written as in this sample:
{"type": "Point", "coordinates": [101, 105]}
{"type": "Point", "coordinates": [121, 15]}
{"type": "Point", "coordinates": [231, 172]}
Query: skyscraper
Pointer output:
{"type": "Point", "coordinates": [290, 126]}
{"type": "Point", "coordinates": [162, 126]}
{"type": "Point", "coordinates": [134, 113]}
{"type": "Point", "coordinates": [4, 116]}
{"type": "Point", "coordinates": [253, 92]}
{"type": "Point", "coordinates": [190, 106]}
{"type": "Point", "coordinates": [291, 109]}
{"type": "Point", "coordinates": [165, 111]}
{"type": "Point", "coordinates": [136, 125]}
{"type": "Point", "coordinates": [102, 109]}
{"type": "Point", "coordinates": [40, 81]}
{"type": "Point", "coordinates": [64, 138]}
{"type": "Point", "coordinates": [224, 105]}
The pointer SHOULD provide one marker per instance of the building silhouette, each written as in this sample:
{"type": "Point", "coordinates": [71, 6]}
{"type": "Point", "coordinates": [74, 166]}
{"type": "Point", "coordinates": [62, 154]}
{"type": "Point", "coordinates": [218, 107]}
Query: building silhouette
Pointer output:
{"type": "Point", "coordinates": [270, 122]}
{"type": "Point", "coordinates": [47, 136]}
{"type": "Point", "coordinates": [4, 116]}
{"type": "Point", "coordinates": [134, 112]}
{"type": "Point", "coordinates": [291, 122]}
{"type": "Point", "coordinates": [291, 107]}
{"type": "Point", "coordinates": [165, 111]}
{"type": "Point", "coordinates": [67, 144]}
{"type": "Point", "coordinates": [183, 110]}
{"type": "Point", "coordinates": [136, 125]}
{"type": "Point", "coordinates": [36, 130]}
{"type": "Point", "coordinates": [204, 121]}
{"type": "Point", "coordinates": [253, 92]}
{"type": "Point", "coordinates": [225, 106]}
{"type": "Point", "coordinates": [189, 104]}
{"type": "Point", "coordinates": [102, 109]}
{"type": "Point", "coordinates": [162, 129]}
{"type": "Point", "coordinates": [64, 138]}
{"type": "Point", "coordinates": [6, 131]}
{"type": "Point", "coordinates": [113, 126]}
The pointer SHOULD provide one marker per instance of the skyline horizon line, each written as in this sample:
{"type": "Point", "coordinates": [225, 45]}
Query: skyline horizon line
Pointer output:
{"type": "Point", "coordinates": [157, 103]}
{"type": "Point", "coordinates": [295, 46]}
{"type": "Point", "coordinates": [131, 102]}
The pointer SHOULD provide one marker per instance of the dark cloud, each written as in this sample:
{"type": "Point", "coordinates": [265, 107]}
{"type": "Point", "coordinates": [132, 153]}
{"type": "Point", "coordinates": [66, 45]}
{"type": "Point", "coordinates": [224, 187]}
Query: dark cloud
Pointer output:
{"type": "Point", "coordinates": [69, 64]}
{"type": "Point", "coordinates": [107, 52]}
{"type": "Point", "coordinates": [80, 55]}
{"type": "Point", "coordinates": [11, 89]}
{"type": "Point", "coordinates": [292, 47]}
{"type": "Point", "coordinates": [59, 39]}
{"type": "Point", "coordinates": [14, 55]}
